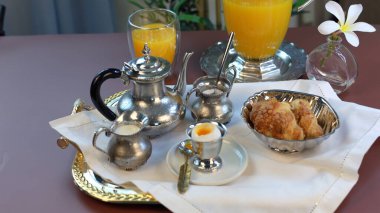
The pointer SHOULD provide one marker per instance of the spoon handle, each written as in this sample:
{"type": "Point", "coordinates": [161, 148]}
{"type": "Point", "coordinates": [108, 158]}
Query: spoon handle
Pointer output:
{"type": "Point", "coordinates": [222, 64]}
{"type": "Point", "coordinates": [184, 176]}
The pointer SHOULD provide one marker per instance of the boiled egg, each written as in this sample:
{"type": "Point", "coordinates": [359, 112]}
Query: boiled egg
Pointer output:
{"type": "Point", "coordinates": [205, 132]}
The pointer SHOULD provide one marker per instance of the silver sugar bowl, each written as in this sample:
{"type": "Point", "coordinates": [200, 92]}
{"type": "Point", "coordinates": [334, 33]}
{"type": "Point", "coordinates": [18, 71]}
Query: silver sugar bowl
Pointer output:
{"type": "Point", "coordinates": [128, 148]}
{"type": "Point", "coordinates": [211, 98]}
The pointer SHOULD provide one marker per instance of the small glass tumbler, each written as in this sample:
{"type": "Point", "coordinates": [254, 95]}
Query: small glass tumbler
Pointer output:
{"type": "Point", "coordinates": [334, 63]}
{"type": "Point", "coordinates": [159, 29]}
{"type": "Point", "coordinates": [207, 157]}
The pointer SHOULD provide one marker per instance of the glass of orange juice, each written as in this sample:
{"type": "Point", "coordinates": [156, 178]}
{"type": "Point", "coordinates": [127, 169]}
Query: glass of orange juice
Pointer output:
{"type": "Point", "coordinates": [260, 27]}
{"type": "Point", "coordinates": [159, 28]}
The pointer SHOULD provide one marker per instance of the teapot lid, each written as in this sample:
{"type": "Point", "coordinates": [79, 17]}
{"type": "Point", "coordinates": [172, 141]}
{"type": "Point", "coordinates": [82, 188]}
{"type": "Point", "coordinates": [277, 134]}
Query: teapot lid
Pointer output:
{"type": "Point", "coordinates": [147, 68]}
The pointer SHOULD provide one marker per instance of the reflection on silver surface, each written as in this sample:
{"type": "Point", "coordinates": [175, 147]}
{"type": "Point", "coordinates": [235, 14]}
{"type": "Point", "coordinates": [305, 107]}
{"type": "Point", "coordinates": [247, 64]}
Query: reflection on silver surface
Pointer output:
{"type": "Point", "coordinates": [103, 189]}
{"type": "Point", "coordinates": [287, 64]}
{"type": "Point", "coordinates": [325, 114]}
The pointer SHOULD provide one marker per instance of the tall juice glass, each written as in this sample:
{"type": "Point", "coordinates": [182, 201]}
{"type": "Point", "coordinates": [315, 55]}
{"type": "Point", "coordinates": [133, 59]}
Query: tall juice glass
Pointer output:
{"type": "Point", "coordinates": [260, 27]}
{"type": "Point", "coordinates": [159, 28]}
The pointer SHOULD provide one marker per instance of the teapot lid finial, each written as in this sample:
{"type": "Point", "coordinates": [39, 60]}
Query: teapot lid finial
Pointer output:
{"type": "Point", "coordinates": [147, 68]}
{"type": "Point", "coordinates": [146, 52]}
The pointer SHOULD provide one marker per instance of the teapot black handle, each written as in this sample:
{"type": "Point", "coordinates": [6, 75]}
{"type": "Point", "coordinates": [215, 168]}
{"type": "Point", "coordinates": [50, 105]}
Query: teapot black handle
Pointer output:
{"type": "Point", "coordinates": [95, 91]}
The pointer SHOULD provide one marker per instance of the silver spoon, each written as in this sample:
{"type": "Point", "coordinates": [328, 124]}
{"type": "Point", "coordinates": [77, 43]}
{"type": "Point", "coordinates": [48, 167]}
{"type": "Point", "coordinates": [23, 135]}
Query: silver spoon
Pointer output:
{"type": "Point", "coordinates": [185, 170]}
{"type": "Point", "coordinates": [229, 43]}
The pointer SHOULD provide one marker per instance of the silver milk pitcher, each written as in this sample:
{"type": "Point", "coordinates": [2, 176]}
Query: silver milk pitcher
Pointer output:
{"type": "Point", "coordinates": [211, 98]}
{"type": "Point", "coordinates": [128, 148]}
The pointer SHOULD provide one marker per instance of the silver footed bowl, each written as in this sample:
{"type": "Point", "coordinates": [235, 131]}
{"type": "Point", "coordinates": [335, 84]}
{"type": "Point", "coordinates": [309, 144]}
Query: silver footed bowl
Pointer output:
{"type": "Point", "coordinates": [325, 114]}
{"type": "Point", "coordinates": [289, 62]}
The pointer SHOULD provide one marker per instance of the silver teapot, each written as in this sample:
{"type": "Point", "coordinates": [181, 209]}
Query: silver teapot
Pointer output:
{"type": "Point", "coordinates": [211, 100]}
{"type": "Point", "coordinates": [127, 147]}
{"type": "Point", "coordinates": [161, 104]}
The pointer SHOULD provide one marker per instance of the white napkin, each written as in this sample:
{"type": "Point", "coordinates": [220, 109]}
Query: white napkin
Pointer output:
{"type": "Point", "coordinates": [312, 181]}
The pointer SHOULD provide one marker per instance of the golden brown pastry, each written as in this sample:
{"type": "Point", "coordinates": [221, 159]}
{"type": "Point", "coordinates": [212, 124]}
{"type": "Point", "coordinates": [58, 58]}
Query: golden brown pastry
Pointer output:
{"type": "Point", "coordinates": [276, 119]}
{"type": "Point", "coordinates": [306, 118]}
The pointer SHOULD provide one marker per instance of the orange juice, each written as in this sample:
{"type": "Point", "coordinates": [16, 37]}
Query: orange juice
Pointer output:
{"type": "Point", "coordinates": [259, 25]}
{"type": "Point", "coordinates": [160, 39]}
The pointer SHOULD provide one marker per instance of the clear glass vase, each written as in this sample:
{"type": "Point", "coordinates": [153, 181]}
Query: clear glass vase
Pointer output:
{"type": "Point", "coordinates": [334, 63]}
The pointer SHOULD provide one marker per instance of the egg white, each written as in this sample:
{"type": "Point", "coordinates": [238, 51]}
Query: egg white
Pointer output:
{"type": "Point", "coordinates": [215, 133]}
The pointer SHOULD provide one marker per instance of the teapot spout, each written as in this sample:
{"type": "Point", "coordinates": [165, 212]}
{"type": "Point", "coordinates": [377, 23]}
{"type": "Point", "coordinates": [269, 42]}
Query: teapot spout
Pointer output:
{"type": "Point", "coordinates": [180, 86]}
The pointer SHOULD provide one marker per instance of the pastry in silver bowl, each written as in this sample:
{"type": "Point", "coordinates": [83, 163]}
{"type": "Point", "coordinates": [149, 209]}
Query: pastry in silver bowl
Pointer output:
{"type": "Point", "coordinates": [288, 121]}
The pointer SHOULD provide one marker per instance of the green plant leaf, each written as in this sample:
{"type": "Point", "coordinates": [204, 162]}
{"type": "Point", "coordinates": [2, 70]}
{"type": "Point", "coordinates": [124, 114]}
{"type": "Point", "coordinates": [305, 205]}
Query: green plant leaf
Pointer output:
{"type": "Point", "coordinates": [298, 3]}
{"type": "Point", "coordinates": [295, 6]}
{"type": "Point", "coordinates": [136, 4]}
{"type": "Point", "coordinates": [178, 5]}
{"type": "Point", "coordinates": [161, 4]}
{"type": "Point", "coordinates": [189, 17]}
{"type": "Point", "coordinates": [149, 3]}
{"type": "Point", "coordinates": [208, 24]}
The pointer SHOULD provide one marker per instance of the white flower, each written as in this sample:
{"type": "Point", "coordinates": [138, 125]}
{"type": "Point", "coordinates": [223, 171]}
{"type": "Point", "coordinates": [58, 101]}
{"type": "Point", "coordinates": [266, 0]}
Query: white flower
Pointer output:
{"type": "Point", "coordinates": [345, 26]}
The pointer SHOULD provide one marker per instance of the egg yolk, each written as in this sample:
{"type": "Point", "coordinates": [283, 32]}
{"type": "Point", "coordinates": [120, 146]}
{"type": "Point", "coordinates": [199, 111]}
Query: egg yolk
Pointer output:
{"type": "Point", "coordinates": [204, 131]}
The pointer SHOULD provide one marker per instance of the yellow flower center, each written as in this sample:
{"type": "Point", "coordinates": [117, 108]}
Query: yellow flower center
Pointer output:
{"type": "Point", "coordinates": [344, 28]}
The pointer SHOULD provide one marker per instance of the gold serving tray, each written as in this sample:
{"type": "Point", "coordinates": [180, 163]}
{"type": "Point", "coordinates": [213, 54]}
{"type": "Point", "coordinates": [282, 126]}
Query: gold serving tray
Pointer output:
{"type": "Point", "coordinates": [93, 184]}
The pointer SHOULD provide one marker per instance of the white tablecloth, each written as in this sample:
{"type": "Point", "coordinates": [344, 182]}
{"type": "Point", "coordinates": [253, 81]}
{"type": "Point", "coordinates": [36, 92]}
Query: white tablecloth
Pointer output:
{"type": "Point", "coordinates": [312, 181]}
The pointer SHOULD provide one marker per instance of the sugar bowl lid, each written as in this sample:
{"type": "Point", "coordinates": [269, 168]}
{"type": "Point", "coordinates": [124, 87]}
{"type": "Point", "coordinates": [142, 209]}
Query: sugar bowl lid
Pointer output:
{"type": "Point", "coordinates": [147, 68]}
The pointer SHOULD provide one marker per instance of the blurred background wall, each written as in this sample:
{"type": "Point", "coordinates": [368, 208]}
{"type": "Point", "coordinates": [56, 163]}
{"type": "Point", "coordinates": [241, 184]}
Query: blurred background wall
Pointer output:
{"type": "Point", "coordinates": [64, 16]}
{"type": "Point", "coordinates": [26, 17]}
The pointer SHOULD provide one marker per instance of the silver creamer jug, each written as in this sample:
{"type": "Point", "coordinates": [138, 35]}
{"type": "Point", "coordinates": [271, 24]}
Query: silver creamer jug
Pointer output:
{"type": "Point", "coordinates": [127, 147]}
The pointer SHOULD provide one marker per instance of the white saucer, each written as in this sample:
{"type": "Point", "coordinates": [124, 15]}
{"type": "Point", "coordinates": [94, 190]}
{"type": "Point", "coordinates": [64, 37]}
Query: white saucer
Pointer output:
{"type": "Point", "coordinates": [234, 158]}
